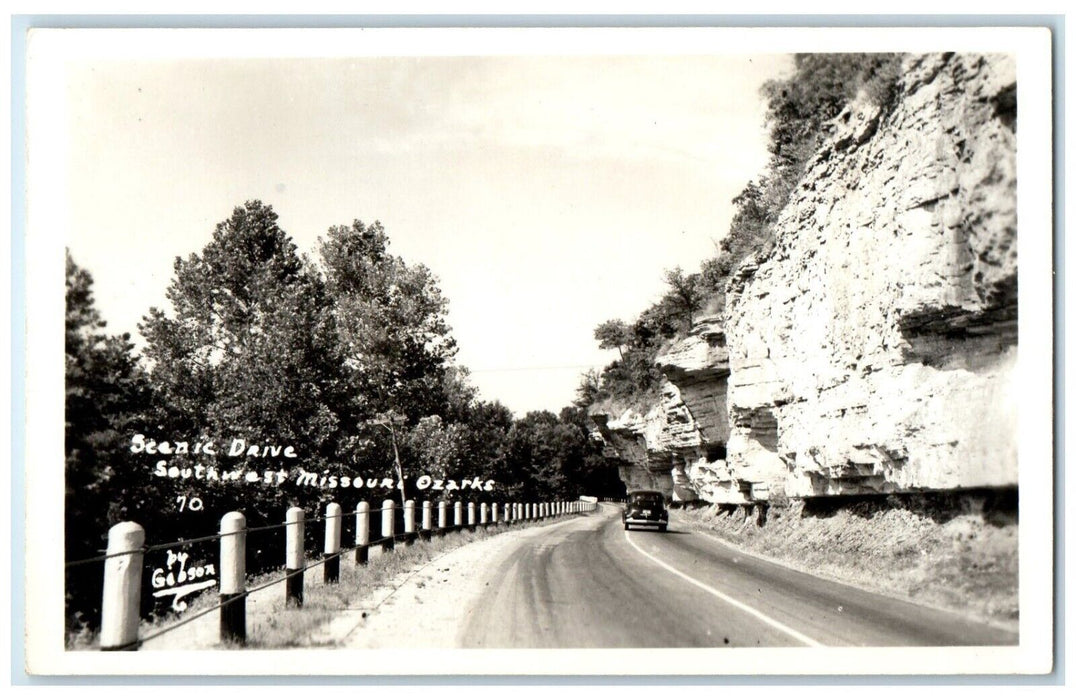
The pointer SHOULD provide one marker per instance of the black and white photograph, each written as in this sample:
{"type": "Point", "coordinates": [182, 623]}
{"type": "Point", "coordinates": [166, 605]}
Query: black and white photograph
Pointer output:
{"type": "Point", "coordinates": [524, 351]}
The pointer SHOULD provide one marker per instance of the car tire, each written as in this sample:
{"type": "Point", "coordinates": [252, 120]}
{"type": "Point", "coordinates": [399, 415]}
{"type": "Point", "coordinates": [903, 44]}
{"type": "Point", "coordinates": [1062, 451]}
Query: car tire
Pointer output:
{"type": "Point", "coordinates": [626, 526]}
{"type": "Point", "coordinates": [661, 528]}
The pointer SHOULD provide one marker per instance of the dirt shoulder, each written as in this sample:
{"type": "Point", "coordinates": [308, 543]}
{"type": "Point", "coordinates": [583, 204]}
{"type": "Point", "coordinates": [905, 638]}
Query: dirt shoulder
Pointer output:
{"type": "Point", "coordinates": [426, 607]}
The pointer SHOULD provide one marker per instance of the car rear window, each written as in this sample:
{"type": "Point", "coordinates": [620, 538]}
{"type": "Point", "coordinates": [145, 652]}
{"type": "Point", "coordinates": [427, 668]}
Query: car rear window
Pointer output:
{"type": "Point", "coordinates": [647, 499]}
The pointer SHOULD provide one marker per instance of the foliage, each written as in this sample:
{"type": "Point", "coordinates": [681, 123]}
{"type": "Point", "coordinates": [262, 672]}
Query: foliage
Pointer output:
{"type": "Point", "coordinates": [438, 448]}
{"type": "Point", "coordinates": [483, 442]}
{"type": "Point", "coordinates": [821, 86]}
{"type": "Point", "coordinates": [589, 389]}
{"type": "Point", "coordinates": [594, 474]}
{"type": "Point", "coordinates": [552, 456]}
{"type": "Point", "coordinates": [798, 108]}
{"type": "Point", "coordinates": [250, 348]}
{"type": "Point", "coordinates": [106, 398]}
{"type": "Point", "coordinates": [684, 297]}
{"type": "Point", "coordinates": [349, 362]}
{"type": "Point", "coordinates": [613, 335]}
{"type": "Point", "coordinates": [392, 323]}
{"type": "Point", "coordinates": [248, 351]}
{"type": "Point", "coordinates": [633, 374]}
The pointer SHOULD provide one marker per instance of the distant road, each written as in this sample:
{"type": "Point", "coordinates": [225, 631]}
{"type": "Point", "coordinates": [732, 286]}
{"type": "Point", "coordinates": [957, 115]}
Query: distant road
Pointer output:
{"type": "Point", "coordinates": [588, 583]}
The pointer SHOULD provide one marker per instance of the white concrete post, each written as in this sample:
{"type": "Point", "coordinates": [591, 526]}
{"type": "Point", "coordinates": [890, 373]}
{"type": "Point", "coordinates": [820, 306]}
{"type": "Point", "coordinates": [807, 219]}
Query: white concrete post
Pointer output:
{"type": "Point", "coordinates": [427, 519]}
{"type": "Point", "coordinates": [233, 550]}
{"type": "Point", "coordinates": [409, 521]}
{"type": "Point", "coordinates": [388, 524]}
{"type": "Point", "coordinates": [442, 516]}
{"type": "Point", "coordinates": [483, 514]}
{"type": "Point", "coordinates": [362, 532]}
{"type": "Point", "coordinates": [233, 578]}
{"type": "Point", "coordinates": [123, 587]}
{"type": "Point", "coordinates": [333, 524]}
{"type": "Point", "coordinates": [494, 513]}
{"type": "Point", "coordinates": [295, 556]}
{"type": "Point", "coordinates": [470, 515]}
{"type": "Point", "coordinates": [457, 514]}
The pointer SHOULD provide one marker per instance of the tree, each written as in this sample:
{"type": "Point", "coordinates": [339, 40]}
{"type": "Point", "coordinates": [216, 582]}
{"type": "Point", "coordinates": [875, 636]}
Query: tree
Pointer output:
{"type": "Point", "coordinates": [594, 475]}
{"type": "Point", "coordinates": [589, 390]}
{"type": "Point", "coordinates": [395, 338]}
{"type": "Point", "coordinates": [684, 295]}
{"type": "Point", "coordinates": [613, 335]}
{"type": "Point", "coordinates": [552, 456]}
{"type": "Point", "coordinates": [106, 399]}
{"type": "Point", "coordinates": [250, 350]}
{"type": "Point", "coordinates": [633, 376]}
{"type": "Point", "coordinates": [482, 445]}
{"type": "Point", "coordinates": [391, 422]}
{"type": "Point", "coordinates": [534, 455]}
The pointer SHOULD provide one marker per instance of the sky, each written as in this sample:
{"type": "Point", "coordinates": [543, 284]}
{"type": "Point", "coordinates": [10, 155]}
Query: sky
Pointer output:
{"type": "Point", "coordinates": [547, 193]}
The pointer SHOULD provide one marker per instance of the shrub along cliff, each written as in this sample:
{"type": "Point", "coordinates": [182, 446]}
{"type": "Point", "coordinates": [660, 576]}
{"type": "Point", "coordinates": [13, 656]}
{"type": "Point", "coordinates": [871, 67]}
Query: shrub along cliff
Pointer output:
{"type": "Point", "coordinates": [861, 332]}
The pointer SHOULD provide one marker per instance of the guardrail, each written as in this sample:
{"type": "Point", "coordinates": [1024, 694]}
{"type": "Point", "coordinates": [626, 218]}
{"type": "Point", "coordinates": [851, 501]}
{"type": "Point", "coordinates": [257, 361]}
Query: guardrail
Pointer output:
{"type": "Point", "coordinates": [123, 558]}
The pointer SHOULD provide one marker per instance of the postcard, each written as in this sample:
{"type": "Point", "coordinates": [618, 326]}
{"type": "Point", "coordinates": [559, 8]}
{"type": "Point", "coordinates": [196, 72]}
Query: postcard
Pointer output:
{"type": "Point", "coordinates": [576, 352]}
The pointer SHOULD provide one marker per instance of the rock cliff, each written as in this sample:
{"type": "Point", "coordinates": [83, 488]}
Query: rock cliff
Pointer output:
{"type": "Point", "coordinates": [873, 348]}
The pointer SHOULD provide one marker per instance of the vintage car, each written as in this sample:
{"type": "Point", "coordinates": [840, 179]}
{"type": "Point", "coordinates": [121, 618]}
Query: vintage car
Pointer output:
{"type": "Point", "coordinates": [646, 508]}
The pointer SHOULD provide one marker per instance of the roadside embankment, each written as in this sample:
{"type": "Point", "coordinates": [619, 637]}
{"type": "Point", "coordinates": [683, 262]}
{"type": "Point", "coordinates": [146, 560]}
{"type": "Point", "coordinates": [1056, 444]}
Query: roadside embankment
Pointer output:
{"type": "Point", "coordinates": [956, 551]}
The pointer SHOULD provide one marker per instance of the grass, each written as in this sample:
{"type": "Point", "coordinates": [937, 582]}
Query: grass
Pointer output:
{"type": "Point", "coordinates": [957, 555]}
{"type": "Point", "coordinates": [283, 627]}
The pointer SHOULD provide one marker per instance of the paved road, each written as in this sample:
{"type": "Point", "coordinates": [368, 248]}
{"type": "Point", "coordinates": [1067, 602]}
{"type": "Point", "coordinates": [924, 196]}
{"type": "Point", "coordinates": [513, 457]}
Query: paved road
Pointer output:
{"type": "Point", "coordinates": [588, 583]}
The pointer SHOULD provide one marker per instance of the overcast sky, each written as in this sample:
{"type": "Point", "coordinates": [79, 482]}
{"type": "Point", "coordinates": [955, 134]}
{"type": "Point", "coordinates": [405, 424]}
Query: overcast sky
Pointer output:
{"type": "Point", "coordinates": [548, 194]}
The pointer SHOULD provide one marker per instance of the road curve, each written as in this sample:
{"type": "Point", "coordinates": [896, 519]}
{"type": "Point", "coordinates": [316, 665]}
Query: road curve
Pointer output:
{"type": "Point", "coordinates": [587, 583]}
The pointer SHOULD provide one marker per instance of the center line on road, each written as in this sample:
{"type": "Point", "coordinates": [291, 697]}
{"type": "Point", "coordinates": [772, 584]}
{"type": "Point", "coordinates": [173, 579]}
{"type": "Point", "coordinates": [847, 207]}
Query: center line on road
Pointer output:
{"type": "Point", "coordinates": [728, 599]}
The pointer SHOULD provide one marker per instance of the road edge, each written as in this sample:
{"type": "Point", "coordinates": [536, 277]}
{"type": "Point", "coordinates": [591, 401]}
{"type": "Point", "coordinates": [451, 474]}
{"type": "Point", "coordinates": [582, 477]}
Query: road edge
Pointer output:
{"type": "Point", "coordinates": [702, 530]}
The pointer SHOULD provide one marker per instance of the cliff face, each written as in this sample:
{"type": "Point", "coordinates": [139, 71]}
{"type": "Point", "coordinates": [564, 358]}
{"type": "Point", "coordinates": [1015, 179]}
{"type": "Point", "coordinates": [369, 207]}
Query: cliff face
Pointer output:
{"type": "Point", "coordinates": [648, 447]}
{"type": "Point", "coordinates": [873, 349]}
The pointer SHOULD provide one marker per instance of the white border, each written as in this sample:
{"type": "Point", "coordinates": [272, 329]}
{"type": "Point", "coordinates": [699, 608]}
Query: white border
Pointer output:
{"type": "Point", "coordinates": [50, 50]}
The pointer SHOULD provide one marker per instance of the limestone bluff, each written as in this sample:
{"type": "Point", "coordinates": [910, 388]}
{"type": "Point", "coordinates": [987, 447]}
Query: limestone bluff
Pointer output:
{"type": "Point", "coordinates": [873, 349]}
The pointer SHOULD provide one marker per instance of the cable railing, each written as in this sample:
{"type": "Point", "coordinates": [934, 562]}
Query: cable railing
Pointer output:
{"type": "Point", "coordinates": [121, 597]}
{"type": "Point", "coordinates": [207, 538]}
